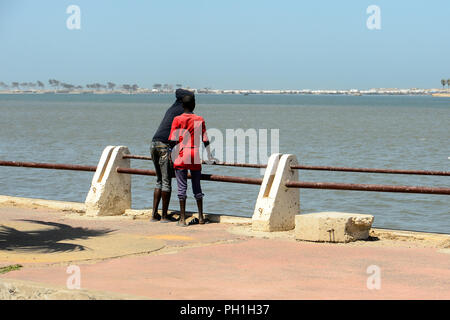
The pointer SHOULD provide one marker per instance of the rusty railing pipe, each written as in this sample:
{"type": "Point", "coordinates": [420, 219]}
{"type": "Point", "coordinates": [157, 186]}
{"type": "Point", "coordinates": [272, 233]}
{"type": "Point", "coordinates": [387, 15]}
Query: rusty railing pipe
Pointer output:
{"type": "Point", "coordinates": [371, 170]}
{"type": "Point", "coordinates": [40, 165]}
{"type": "Point", "coordinates": [366, 187]}
{"type": "Point", "coordinates": [207, 177]}
{"type": "Point", "coordinates": [318, 168]}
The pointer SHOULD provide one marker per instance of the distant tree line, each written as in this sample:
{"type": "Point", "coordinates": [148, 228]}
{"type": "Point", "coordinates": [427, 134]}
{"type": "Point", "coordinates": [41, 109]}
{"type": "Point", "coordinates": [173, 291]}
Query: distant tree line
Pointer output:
{"type": "Point", "coordinates": [165, 86]}
{"type": "Point", "coordinates": [57, 85]}
{"type": "Point", "coordinates": [444, 82]}
{"type": "Point", "coordinates": [18, 85]}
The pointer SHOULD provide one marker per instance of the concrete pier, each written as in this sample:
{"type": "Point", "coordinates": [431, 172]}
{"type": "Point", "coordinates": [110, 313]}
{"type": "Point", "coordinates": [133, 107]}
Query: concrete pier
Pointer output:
{"type": "Point", "coordinates": [277, 205]}
{"type": "Point", "coordinates": [333, 226]}
{"type": "Point", "coordinates": [120, 257]}
{"type": "Point", "coordinates": [110, 192]}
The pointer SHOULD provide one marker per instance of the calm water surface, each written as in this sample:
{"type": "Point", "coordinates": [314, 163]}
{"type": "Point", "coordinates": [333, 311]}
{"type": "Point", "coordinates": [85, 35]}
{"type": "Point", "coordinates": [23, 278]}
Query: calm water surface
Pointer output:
{"type": "Point", "coordinates": [375, 131]}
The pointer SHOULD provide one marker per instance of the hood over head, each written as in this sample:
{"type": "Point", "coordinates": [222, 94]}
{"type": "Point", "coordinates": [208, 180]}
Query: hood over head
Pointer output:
{"type": "Point", "coordinates": [180, 93]}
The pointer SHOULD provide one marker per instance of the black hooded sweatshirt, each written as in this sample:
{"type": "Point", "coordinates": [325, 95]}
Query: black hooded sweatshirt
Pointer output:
{"type": "Point", "coordinates": [163, 132]}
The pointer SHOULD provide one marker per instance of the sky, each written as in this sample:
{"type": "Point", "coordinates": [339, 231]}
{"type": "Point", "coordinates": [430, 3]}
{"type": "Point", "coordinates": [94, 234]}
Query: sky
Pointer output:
{"type": "Point", "coordinates": [232, 44]}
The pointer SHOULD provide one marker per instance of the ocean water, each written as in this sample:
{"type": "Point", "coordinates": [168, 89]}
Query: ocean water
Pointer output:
{"type": "Point", "coordinates": [397, 132]}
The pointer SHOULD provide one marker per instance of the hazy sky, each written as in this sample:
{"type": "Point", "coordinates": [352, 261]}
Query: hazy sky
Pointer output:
{"type": "Point", "coordinates": [228, 44]}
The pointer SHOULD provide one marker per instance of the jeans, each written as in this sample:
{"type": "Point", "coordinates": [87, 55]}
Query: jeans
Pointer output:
{"type": "Point", "coordinates": [160, 153]}
{"type": "Point", "coordinates": [182, 183]}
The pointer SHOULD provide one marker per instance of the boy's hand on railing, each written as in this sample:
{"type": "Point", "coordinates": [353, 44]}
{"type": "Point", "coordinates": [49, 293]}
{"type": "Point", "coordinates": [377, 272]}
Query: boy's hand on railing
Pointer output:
{"type": "Point", "coordinates": [212, 160]}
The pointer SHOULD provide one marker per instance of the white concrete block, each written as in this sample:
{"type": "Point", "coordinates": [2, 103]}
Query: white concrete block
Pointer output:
{"type": "Point", "coordinates": [333, 226]}
{"type": "Point", "coordinates": [277, 205]}
{"type": "Point", "coordinates": [110, 192]}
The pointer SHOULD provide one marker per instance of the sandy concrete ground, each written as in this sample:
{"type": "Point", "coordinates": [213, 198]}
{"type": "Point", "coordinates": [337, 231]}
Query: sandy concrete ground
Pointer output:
{"type": "Point", "coordinates": [122, 255]}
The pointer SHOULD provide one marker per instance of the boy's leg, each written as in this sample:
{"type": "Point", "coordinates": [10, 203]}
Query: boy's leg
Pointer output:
{"type": "Point", "coordinates": [197, 189]}
{"type": "Point", "coordinates": [157, 192]}
{"type": "Point", "coordinates": [182, 221]}
{"type": "Point", "coordinates": [156, 200]}
{"type": "Point", "coordinates": [166, 181]}
{"type": "Point", "coordinates": [201, 219]}
{"type": "Point", "coordinates": [165, 205]}
{"type": "Point", "coordinates": [181, 176]}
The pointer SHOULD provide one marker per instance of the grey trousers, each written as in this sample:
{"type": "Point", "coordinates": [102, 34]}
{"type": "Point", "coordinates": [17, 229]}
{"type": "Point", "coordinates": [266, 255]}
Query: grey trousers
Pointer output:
{"type": "Point", "coordinates": [160, 153]}
{"type": "Point", "coordinates": [182, 183]}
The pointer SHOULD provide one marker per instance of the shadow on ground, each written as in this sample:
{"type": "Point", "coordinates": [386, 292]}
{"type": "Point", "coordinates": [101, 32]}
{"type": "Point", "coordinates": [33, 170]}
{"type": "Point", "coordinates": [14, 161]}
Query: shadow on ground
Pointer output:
{"type": "Point", "coordinates": [47, 240]}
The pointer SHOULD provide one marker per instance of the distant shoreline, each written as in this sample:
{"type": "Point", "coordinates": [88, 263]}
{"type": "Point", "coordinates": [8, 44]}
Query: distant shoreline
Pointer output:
{"type": "Point", "coordinates": [353, 92]}
{"type": "Point", "coordinates": [442, 95]}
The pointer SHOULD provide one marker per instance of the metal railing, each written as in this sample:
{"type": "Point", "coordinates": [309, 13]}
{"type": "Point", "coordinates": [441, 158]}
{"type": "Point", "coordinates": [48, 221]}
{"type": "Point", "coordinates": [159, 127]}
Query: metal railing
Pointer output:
{"type": "Point", "coordinates": [258, 181]}
{"type": "Point", "coordinates": [320, 168]}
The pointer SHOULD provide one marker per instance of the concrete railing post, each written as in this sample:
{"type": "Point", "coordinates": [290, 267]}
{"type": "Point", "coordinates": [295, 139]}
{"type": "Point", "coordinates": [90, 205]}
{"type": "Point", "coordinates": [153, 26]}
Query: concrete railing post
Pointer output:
{"type": "Point", "coordinates": [277, 205]}
{"type": "Point", "coordinates": [110, 192]}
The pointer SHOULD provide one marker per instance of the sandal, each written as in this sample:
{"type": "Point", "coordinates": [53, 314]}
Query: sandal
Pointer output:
{"type": "Point", "coordinates": [157, 219]}
{"type": "Point", "coordinates": [197, 221]}
{"type": "Point", "coordinates": [193, 221]}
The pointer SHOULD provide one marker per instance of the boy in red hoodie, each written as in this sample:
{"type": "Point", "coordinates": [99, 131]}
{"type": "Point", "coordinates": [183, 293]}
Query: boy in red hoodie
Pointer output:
{"type": "Point", "coordinates": [187, 132]}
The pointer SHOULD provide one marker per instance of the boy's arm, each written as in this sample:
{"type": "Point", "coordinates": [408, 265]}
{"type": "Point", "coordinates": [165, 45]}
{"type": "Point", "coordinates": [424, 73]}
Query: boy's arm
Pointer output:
{"type": "Point", "coordinates": [208, 152]}
{"type": "Point", "coordinates": [206, 143]}
{"type": "Point", "coordinates": [173, 138]}
{"type": "Point", "coordinates": [172, 143]}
